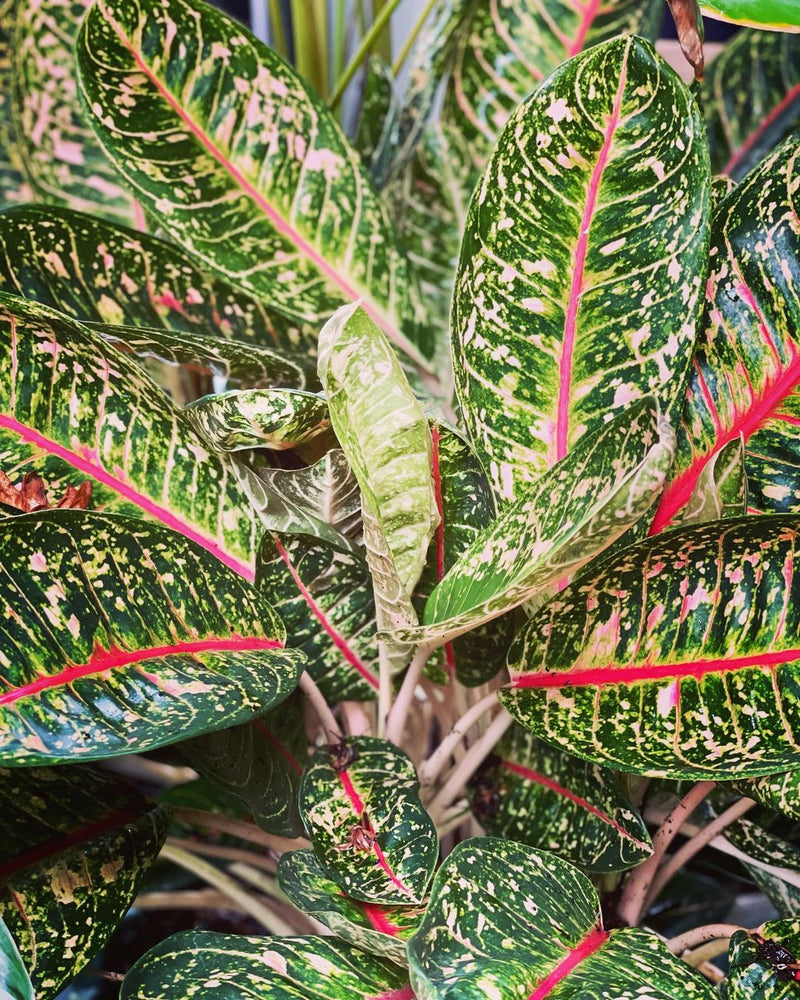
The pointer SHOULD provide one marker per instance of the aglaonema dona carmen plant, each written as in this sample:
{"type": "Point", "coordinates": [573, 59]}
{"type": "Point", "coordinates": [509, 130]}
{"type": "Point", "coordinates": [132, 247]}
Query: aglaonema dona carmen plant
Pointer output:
{"type": "Point", "coordinates": [430, 493]}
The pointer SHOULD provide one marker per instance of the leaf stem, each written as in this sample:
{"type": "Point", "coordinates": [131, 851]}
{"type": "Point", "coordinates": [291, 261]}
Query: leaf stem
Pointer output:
{"type": "Point", "coordinates": [431, 768]}
{"type": "Point", "coordinates": [398, 713]}
{"type": "Point", "coordinates": [384, 687]}
{"type": "Point", "coordinates": [219, 851]}
{"type": "Point", "coordinates": [632, 903]}
{"type": "Point", "coordinates": [364, 48]}
{"type": "Point", "coordinates": [408, 44]}
{"type": "Point", "coordinates": [238, 828]}
{"type": "Point", "coordinates": [701, 935]}
{"type": "Point", "coordinates": [333, 732]}
{"type": "Point", "coordinates": [671, 866]}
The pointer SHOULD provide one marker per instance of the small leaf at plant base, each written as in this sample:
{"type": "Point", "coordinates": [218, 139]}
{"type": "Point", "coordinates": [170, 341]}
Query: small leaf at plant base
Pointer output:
{"type": "Point", "coordinates": [103, 656]}
{"type": "Point", "coordinates": [360, 803]}
{"type": "Point", "coordinates": [764, 963]}
{"type": "Point", "coordinates": [777, 15]}
{"type": "Point", "coordinates": [546, 798]}
{"type": "Point", "coordinates": [281, 968]}
{"type": "Point", "coordinates": [606, 484]}
{"type": "Point", "coordinates": [721, 488]}
{"type": "Point", "coordinates": [72, 860]}
{"type": "Point", "coordinates": [261, 762]}
{"type": "Point", "coordinates": [666, 661]}
{"type": "Point", "coordinates": [507, 922]}
{"type": "Point", "coordinates": [15, 983]}
{"type": "Point", "coordinates": [379, 930]}
{"type": "Point", "coordinates": [566, 309]}
{"type": "Point", "coordinates": [750, 98]}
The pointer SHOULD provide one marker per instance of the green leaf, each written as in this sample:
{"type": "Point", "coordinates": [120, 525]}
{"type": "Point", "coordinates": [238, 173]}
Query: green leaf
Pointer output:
{"type": "Point", "coordinates": [239, 160]}
{"type": "Point", "coordinates": [750, 97]}
{"type": "Point", "coordinates": [281, 968]}
{"type": "Point", "coordinates": [529, 925]}
{"type": "Point", "coordinates": [567, 308]}
{"type": "Point", "coordinates": [62, 158]}
{"type": "Point", "coordinates": [772, 863]}
{"type": "Point", "coordinates": [777, 15]}
{"type": "Point", "coordinates": [379, 930]}
{"type": "Point", "coordinates": [748, 361]}
{"type": "Point", "coordinates": [385, 436]}
{"type": "Point", "coordinates": [125, 648]}
{"type": "Point", "coordinates": [94, 270]}
{"type": "Point", "coordinates": [606, 484]}
{"type": "Point", "coordinates": [13, 184]}
{"type": "Point", "coordinates": [537, 795]}
{"type": "Point", "coordinates": [780, 792]}
{"type": "Point", "coordinates": [76, 844]}
{"type": "Point", "coordinates": [377, 115]}
{"type": "Point", "coordinates": [753, 957]}
{"type": "Point", "coordinates": [15, 982]}
{"type": "Point", "coordinates": [325, 600]}
{"type": "Point", "coordinates": [360, 804]}
{"type": "Point", "coordinates": [721, 488]}
{"type": "Point", "coordinates": [668, 660]}
{"type": "Point", "coordinates": [261, 762]}
{"type": "Point", "coordinates": [72, 407]}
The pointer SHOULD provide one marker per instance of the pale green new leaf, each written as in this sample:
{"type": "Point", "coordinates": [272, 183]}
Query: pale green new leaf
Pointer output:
{"type": "Point", "coordinates": [15, 982]}
{"type": "Point", "coordinates": [777, 15]}
{"type": "Point", "coordinates": [721, 488]}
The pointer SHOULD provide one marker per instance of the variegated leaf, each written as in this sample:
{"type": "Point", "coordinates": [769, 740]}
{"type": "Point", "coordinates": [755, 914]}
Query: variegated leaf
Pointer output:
{"type": "Point", "coordinates": [385, 436]}
{"type": "Point", "coordinates": [761, 962]}
{"type": "Point", "coordinates": [325, 600]}
{"type": "Point", "coordinates": [61, 156]}
{"type": "Point", "coordinates": [75, 847]}
{"type": "Point", "coordinates": [110, 641]}
{"type": "Point", "coordinates": [260, 762]}
{"type": "Point", "coordinates": [776, 15]}
{"type": "Point", "coordinates": [14, 979]}
{"type": "Point", "coordinates": [94, 270]}
{"type": "Point", "coordinates": [281, 968]}
{"type": "Point", "coordinates": [72, 407]}
{"type": "Point", "coordinates": [360, 804]}
{"type": "Point", "coordinates": [13, 184]}
{"type": "Point", "coordinates": [606, 485]}
{"type": "Point", "coordinates": [377, 115]}
{"type": "Point", "coordinates": [750, 98]}
{"type": "Point", "coordinates": [567, 306]}
{"type": "Point", "coordinates": [379, 930]}
{"type": "Point", "coordinates": [747, 365]}
{"type": "Point", "coordinates": [507, 922]}
{"type": "Point", "coordinates": [721, 488]}
{"type": "Point", "coordinates": [670, 659]}
{"type": "Point", "coordinates": [240, 160]}
{"type": "Point", "coordinates": [537, 795]}
{"type": "Point", "coordinates": [780, 792]}
{"type": "Point", "coordinates": [772, 863]}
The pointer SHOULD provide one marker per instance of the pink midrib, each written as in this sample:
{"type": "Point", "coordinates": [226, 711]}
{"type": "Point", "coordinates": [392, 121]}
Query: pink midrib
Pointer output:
{"type": "Point", "coordinates": [763, 125]}
{"type": "Point", "coordinates": [282, 749]}
{"type": "Point", "coordinates": [378, 919]}
{"type": "Point", "coordinates": [541, 779]}
{"type": "Point", "coordinates": [104, 660]}
{"type": "Point", "coordinates": [280, 224]}
{"type": "Point", "coordinates": [88, 462]}
{"type": "Point", "coordinates": [591, 943]}
{"type": "Point", "coordinates": [338, 640]}
{"type": "Point", "coordinates": [610, 676]}
{"type": "Point", "coordinates": [587, 14]}
{"type": "Point", "coordinates": [578, 274]}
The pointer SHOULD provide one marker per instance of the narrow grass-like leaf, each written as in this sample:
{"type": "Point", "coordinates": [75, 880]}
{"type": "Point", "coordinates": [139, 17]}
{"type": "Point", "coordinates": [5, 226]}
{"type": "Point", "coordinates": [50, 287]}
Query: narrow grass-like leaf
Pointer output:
{"type": "Point", "coordinates": [121, 636]}
{"type": "Point", "coordinates": [529, 925]}
{"type": "Point", "coordinates": [14, 979]}
{"type": "Point", "coordinates": [370, 833]}
{"type": "Point", "coordinates": [677, 657]}
{"type": "Point", "coordinates": [566, 307]}
{"type": "Point", "coordinates": [76, 844]}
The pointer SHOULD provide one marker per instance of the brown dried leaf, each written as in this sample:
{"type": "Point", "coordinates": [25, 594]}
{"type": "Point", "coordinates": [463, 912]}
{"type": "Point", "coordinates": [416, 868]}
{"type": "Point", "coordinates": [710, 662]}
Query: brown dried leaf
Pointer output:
{"type": "Point", "coordinates": [31, 494]}
{"type": "Point", "coordinates": [689, 23]}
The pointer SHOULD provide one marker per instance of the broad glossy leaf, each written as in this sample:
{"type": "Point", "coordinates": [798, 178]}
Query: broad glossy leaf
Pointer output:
{"type": "Point", "coordinates": [606, 484]}
{"type": "Point", "coordinates": [750, 98]}
{"type": "Point", "coordinates": [240, 160]}
{"type": "Point", "coordinates": [540, 796]}
{"type": "Point", "coordinates": [568, 305]}
{"type": "Point", "coordinates": [62, 158]}
{"type": "Point", "coordinates": [13, 184]}
{"type": "Point", "coordinates": [325, 600]}
{"type": "Point", "coordinates": [752, 976]}
{"type": "Point", "coordinates": [506, 922]}
{"type": "Point", "coordinates": [780, 792]}
{"type": "Point", "coordinates": [76, 845]}
{"type": "Point", "coordinates": [258, 418]}
{"type": "Point", "coordinates": [380, 930]}
{"type": "Point", "coordinates": [370, 833]}
{"type": "Point", "coordinates": [677, 657]}
{"type": "Point", "coordinates": [777, 15]}
{"type": "Point", "coordinates": [281, 968]}
{"type": "Point", "coordinates": [119, 635]}
{"type": "Point", "coordinates": [377, 115]}
{"type": "Point", "coordinates": [747, 365]}
{"type": "Point", "coordinates": [94, 270]}
{"type": "Point", "coordinates": [15, 982]}
{"type": "Point", "coordinates": [260, 762]}
{"type": "Point", "coordinates": [721, 488]}
{"type": "Point", "coordinates": [72, 407]}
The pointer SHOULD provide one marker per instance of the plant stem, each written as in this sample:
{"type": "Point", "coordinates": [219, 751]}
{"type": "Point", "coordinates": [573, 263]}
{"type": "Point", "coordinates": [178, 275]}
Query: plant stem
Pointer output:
{"type": "Point", "coordinates": [186, 899]}
{"type": "Point", "coordinates": [632, 902]}
{"type": "Point", "coordinates": [384, 687]}
{"type": "Point", "coordinates": [219, 851]}
{"type": "Point", "coordinates": [219, 880]}
{"type": "Point", "coordinates": [317, 701]}
{"type": "Point", "coordinates": [398, 714]}
{"type": "Point", "coordinates": [238, 828]}
{"type": "Point", "coordinates": [408, 44]}
{"type": "Point", "coordinates": [471, 762]}
{"type": "Point", "coordinates": [700, 935]}
{"type": "Point", "coordinates": [364, 48]}
{"type": "Point", "coordinates": [672, 865]}
{"type": "Point", "coordinates": [433, 766]}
